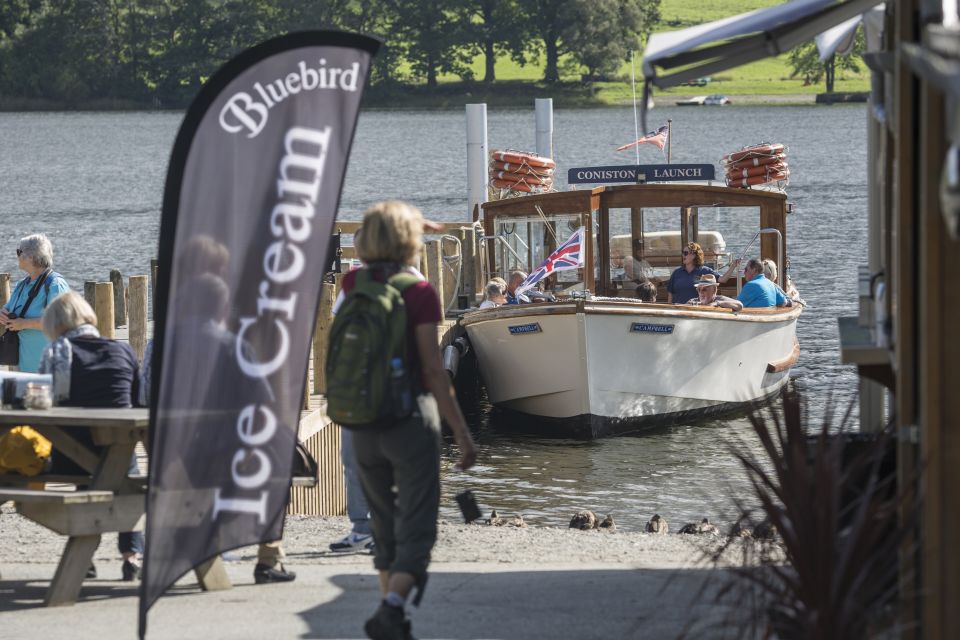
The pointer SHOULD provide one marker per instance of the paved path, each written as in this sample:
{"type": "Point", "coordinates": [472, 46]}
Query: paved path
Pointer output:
{"type": "Point", "coordinates": [463, 600]}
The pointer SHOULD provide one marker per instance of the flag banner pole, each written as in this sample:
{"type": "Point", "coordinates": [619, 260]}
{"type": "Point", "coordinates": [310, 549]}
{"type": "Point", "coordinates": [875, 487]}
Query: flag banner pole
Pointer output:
{"type": "Point", "coordinates": [249, 204]}
{"type": "Point", "coordinates": [669, 140]}
{"type": "Point", "coordinates": [568, 255]}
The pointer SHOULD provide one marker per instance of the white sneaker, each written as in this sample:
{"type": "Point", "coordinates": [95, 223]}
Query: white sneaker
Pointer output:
{"type": "Point", "coordinates": [352, 541]}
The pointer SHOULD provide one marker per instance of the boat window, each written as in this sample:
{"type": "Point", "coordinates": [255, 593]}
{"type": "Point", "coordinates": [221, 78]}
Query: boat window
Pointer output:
{"type": "Point", "coordinates": [524, 242]}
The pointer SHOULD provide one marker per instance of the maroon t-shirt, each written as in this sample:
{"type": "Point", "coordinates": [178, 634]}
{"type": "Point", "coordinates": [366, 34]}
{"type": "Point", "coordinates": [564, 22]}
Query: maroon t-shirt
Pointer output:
{"type": "Point", "coordinates": [423, 307]}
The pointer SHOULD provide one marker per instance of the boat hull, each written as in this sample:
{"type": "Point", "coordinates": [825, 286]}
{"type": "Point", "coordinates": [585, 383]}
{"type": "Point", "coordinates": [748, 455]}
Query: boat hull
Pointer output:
{"type": "Point", "coordinates": [603, 368]}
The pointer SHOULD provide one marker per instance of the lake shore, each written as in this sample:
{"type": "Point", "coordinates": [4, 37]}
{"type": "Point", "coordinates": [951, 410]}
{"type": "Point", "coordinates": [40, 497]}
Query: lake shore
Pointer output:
{"type": "Point", "coordinates": [564, 98]}
{"type": "Point", "coordinates": [485, 582]}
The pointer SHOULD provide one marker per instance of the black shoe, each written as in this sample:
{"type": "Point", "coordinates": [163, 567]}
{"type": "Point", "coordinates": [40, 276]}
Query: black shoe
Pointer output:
{"type": "Point", "coordinates": [262, 574]}
{"type": "Point", "coordinates": [388, 623]}
{"type": "Point", "coordinates": [131, 571]}
{"type": "Point", "coordinates": [91, 572]}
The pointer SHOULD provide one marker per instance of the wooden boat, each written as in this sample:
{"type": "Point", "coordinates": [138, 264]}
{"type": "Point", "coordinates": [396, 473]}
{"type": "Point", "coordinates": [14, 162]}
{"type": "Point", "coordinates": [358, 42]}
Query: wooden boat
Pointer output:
{"type": "Point", "coordinates": [598, 361]}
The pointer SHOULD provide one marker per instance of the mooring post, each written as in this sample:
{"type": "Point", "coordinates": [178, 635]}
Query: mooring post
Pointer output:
{"type": "Point", "coordinates": [321, 336]}
{"type": "Point", "coordinates": [137, 327]}
{"type": "Point", "coordinates": [476, 155]}
{"type": "Point", "coordinates": [90, 293]}
{"type": "Point", "coordinates": [544, 123]}
{"type": "Point", "coordinates": [468, 265]}
{"type": "Point", "coordinates": [434, 271]}
{"type": "Point", "coordinates": [154, 270]}
{"type": "Point", "coordinates": [4, 288]}
{"type": "Point", "coordinates": [103, 295]}
{"type": "Point", "coordinates": [119, 298]}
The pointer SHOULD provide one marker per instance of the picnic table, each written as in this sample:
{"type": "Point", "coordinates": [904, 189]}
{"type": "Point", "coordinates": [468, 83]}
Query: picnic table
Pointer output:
{"type": "Point", "coordinates": [84, 507]}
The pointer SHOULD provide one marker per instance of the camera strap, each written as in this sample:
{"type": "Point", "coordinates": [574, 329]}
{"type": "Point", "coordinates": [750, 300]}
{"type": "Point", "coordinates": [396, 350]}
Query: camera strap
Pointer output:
{"type": "Point", "coordinates": [33, 292]}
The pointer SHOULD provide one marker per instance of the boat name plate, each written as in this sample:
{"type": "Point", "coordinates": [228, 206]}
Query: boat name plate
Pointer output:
{"type": "Point", "coordinates": [520, 329]}
{"type": "Point", "coordinates": [643, 327]}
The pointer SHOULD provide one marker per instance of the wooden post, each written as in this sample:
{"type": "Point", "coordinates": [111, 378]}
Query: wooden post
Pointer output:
{"type": "Point", "coordinates": [103, 294]}
{"type": "Point", "coordinates": [468, 264]}
{"type": "Point", "coordinates": [138, 314]}
{"type": "Point", "coordinates": [4, 288]}
{"type": "Point", "coordinates": [90, 293]}
{"type": "Point", "coordinates": [154, 270]}
{"type": "Point", "coordinates": [434, 270]}
{"type": "Point", "coordinates": [119, 298]}
{"type": "Point", "coordinates": [321, 334]}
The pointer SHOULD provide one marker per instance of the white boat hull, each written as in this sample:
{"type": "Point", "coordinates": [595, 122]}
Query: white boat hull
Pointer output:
{"type": "Point", "coordinates": [606, 367]}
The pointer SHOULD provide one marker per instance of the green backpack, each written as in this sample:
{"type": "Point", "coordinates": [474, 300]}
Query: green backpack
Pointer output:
{"type": "Point", "coordinates": [369, 384]}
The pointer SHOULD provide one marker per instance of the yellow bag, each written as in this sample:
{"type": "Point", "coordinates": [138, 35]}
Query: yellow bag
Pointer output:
{"type": "Point", "coordinates": [24, 451]}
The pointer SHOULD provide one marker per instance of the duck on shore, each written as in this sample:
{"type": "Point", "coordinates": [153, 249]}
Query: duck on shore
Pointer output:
{"type": "Point", "coordinates": [699, 528]}
{"type": "Point", "coordinates": [657, 524]}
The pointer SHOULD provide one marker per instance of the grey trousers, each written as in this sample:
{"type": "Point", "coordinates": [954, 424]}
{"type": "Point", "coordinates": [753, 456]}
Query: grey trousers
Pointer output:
{"type": "Point", "coordinates": [405, 456]}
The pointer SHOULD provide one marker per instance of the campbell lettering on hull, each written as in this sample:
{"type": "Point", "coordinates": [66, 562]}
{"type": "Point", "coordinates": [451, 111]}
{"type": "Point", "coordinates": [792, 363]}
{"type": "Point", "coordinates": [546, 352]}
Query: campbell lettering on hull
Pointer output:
{"type": "Point", "coordinates": [639, 173]}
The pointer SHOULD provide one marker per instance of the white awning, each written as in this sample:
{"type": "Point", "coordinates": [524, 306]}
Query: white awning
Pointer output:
{"type": "Point", "coordinates": [708, 48]}
{"type": "Point", "coordinates": [840, 39]}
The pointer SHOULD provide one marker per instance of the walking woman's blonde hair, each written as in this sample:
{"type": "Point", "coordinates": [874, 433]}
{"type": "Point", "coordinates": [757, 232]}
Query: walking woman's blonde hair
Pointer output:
{"type": "Point", "coordinates": [392, 231]}
{"type": "Point", "coordinates": [67, 311]}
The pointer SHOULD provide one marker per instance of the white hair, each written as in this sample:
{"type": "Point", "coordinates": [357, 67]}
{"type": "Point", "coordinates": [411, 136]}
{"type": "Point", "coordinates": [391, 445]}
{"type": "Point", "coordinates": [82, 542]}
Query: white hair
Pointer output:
{"type": "Point", "coordinates": [39, 249]}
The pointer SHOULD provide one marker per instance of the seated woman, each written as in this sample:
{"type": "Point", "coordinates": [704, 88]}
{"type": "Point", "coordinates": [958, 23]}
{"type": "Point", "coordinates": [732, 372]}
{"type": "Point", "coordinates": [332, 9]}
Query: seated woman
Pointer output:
{"type": "Point", "coordinates": [90, 371]}
{"type": "Point", "coordinates": [494, 295]}
{"type": "Point", "coordinates": [770, 273]}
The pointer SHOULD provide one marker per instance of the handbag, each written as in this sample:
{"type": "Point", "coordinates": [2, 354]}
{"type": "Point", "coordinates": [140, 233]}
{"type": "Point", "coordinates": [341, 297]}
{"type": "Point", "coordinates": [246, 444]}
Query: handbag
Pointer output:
{"type": "Point", "coordinates": [10, 340]}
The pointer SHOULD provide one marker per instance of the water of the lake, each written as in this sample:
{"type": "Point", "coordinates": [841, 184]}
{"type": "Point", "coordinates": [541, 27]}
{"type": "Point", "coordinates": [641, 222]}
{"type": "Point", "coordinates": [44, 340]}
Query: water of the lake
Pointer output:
{"type": "Point", "coordinates": [93, 182]}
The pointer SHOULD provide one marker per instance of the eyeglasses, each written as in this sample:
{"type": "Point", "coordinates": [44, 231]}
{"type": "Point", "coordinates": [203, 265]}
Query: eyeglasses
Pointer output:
{"type": "Point", "coordinates": [19, 252]}
{"type": "Point", "coordinates": [685, 252]}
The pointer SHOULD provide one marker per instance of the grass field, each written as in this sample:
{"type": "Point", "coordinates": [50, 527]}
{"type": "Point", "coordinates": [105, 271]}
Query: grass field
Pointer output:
{"type": "Point", "coordinates": [765, 77]}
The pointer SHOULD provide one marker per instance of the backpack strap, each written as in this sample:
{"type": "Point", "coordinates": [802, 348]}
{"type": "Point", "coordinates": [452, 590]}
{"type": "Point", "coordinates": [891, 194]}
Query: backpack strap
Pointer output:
{"type": "Point", "coordinates": [402, 280]}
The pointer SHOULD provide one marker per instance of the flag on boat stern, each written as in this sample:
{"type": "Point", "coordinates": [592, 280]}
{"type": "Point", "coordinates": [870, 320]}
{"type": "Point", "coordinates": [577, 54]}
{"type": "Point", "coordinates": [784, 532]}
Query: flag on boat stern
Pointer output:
{"type": "Point", "coordinates": [250, 199]}
{"type": "Point", "coordinates": [658, 137]}
{"type": "Point", "coordinates": [569, 255]}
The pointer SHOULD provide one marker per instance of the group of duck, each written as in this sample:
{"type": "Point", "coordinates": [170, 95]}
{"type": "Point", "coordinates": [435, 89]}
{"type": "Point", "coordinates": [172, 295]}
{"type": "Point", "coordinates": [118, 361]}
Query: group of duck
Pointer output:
{"type": "Point", "coordinates": [587, 520]}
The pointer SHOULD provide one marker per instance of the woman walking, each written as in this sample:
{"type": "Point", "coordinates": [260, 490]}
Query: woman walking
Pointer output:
{"type": "Point", "coordinates": [406, 453]}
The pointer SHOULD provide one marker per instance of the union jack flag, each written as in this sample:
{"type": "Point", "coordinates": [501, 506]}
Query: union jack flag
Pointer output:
{"type": "Point", "coordinates": [569, 255]}
{"type": "Point", "coordinates": [658, 137]}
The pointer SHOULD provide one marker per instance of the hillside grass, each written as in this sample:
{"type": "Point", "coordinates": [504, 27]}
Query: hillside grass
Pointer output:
{"type": "Point", "coordinates": [770, 76]}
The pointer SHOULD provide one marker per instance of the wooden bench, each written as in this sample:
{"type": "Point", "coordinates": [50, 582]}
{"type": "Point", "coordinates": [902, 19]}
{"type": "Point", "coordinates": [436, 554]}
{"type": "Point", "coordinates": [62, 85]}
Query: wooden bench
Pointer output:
{"type": "Point", "coordinates": [51, 496]}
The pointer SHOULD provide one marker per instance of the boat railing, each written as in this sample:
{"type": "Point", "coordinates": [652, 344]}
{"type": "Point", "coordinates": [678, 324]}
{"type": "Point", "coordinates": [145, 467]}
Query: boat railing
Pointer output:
{"type": "Point", "coordinates": [502, 240]}
{"type": "Point", "coordinates": [779, 255]}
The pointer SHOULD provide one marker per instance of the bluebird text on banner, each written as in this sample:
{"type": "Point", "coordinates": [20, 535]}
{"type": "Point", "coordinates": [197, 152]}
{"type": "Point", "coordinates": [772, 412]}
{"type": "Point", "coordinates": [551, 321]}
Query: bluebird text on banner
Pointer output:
{"type": "Point", "coordinates": [249, 111]}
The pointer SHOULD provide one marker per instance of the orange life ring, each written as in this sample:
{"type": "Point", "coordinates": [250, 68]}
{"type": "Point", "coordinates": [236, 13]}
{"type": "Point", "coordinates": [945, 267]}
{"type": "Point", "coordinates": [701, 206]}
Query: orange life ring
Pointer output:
{"type": "Point", "coordinates": [518, 186]}
{"type": "Point", "coordinates": [773, 176]}
{"type": "Point", "coordinates": [755, 162]}
{"type": "Point", "coordinates": [769, 149]}
{"type": "Point", "coordinates": [520, 168]}
{"type": "Point", "coordinates": [523, 157]}
{"type": "Point", "coordinates": [762, 170]}
{"type": "Point", "coordinates": [518, 177]}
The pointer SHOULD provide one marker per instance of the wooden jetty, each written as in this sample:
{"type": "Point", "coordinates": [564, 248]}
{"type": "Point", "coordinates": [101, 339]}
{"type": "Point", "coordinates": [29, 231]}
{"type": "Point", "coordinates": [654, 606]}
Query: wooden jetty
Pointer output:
{"type": "Point", "coordinates": [452, 265]}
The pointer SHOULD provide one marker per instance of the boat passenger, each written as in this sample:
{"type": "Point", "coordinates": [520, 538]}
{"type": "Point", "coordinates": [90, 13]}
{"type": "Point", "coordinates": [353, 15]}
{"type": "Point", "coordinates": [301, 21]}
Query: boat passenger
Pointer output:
{"type": "Point", "coordinates": [647, 291]}
{"type": "Point", "coordinates": [758, 291]}
{"type": "Point", "coordinates": [680, 286]}
{"type": "Point", "coordinates": [516, 277]}
{"type": "Point", "coordinates": [495, 294]}
{"type": "Point", "coordinates": [707, 295]}
{"type": "Point", "coordinates": [770, 273]}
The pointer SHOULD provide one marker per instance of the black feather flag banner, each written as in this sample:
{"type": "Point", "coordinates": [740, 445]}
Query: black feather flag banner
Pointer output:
{"type": "Point", "coordinates": [249, 204]}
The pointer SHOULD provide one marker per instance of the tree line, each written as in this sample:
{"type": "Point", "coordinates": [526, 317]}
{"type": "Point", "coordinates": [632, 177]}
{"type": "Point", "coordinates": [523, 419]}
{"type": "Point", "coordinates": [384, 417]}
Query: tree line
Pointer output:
{"type": "Point", "coordinates": [161, 51]}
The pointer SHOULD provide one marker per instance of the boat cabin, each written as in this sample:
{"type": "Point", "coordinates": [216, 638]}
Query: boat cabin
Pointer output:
{"type": "Point", "coordinates": [634, 233]}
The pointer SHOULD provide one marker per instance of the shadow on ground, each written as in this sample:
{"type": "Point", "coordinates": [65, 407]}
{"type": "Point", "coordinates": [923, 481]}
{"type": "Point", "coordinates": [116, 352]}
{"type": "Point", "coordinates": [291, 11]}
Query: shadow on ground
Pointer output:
{"type": "Point", "coordinates": [601, 603]}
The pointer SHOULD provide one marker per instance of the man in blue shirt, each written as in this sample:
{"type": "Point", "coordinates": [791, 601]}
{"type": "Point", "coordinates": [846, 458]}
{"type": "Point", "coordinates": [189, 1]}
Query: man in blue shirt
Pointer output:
{"type": "Point", "coordinates": [758, 291]}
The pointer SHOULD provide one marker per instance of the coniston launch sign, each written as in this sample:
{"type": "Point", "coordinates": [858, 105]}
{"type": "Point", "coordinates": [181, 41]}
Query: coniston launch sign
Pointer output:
{"type": "Point", "coordinates": [249, 204]}
{"type": "Point", "coordinates": [640, 173]}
